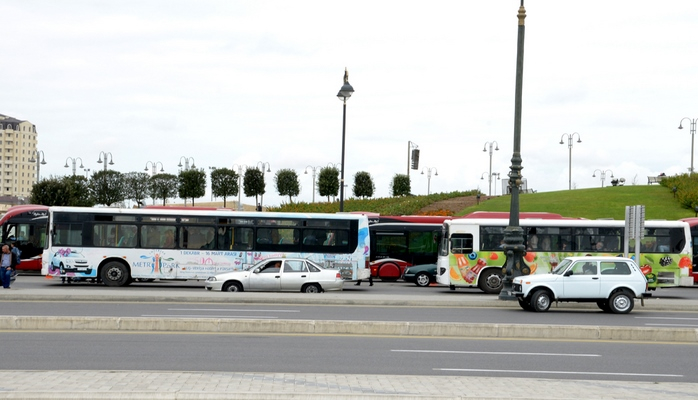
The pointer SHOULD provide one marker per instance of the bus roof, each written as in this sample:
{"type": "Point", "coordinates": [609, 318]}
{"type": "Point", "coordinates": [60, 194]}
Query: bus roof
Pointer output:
{"type": "Point", "coordinates": [20, 209]}
{"type": "Point", "coordinates": [204, 212]}
{"type": "Point", "coordinates": [523, 215]}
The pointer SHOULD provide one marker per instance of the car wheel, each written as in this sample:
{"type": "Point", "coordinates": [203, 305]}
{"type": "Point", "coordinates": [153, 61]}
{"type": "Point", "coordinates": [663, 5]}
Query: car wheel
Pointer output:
{"type": "Point", "coordinates": [490, 282]}
{"type": "Point", "coordinates": [621, 302]}
{"type": "Point", "coordinates": [232, 287]}
{"type": "Point", "coordinates": [115, 274]}
{"type": "Point", "coordinates": [422, 279]}
{"type": "Point", "coordinates": [540, 301]}
{"type": "Point", "coordinates": [311, 288]}
{"type": "Point", "coordinates": [603, 305]}
{"type": "Point", "coordinates": [525, 305]}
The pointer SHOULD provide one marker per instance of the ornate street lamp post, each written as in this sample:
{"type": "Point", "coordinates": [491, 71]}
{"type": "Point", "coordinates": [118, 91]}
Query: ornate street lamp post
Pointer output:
{"type": "Point", "coordinates": [344, 94]}
{"type": "Point", "coordinates": [263, 164]}
{"type": "Point", "coordinates": [40, 160]}
{"type": "Point", "coordinates": [429, 171]}
{"type": "Point", "coordinates": [693, 135]}
{"type": "Point", "coordinates": [74, 161]}
{"type": "Point", "coordinates": [240, 169]}
{"type": "Point", "coordinates": [513, 234]}
{"type": "Point", "coordinates": [603, 174]}
{"type": "Point", "coordinates": [111, 159]}
{"type": "Point", "coordinates": [496, 147]}
{"type": "Point", "coordinates": [315, 170]}
{"type": "Point", "coordinates": [154, 165]}
{"type": "Point", "coordinates": [186, 162]}
{"type": "Point", "coordinates": [570, 143]}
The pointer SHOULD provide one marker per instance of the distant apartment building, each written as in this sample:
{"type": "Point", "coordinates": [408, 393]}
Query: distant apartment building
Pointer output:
{"type": "Point", "coordinates": [18, 158]}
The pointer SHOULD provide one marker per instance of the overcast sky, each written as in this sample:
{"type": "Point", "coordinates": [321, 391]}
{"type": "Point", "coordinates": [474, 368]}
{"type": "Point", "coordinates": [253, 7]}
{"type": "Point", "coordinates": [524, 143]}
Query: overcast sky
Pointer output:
{"type": "Point", "coordinates": [243, 82]}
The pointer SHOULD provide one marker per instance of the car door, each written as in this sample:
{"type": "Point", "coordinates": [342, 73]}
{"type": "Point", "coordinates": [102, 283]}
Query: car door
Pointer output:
{"type": "Point", "coordinates": [294, 275]}
{"type": "Point", "coordinates": [266, 277]}
{"type": "Point", "coordinates": [583, 282]}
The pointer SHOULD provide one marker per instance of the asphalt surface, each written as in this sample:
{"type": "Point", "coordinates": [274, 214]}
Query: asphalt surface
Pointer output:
{"type": "Point", "coordinates": [63, 384]}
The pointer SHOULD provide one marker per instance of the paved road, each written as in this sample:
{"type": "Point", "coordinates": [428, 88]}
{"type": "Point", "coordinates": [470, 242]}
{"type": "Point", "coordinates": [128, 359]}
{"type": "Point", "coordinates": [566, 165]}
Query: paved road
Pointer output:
{"type": "Point", "coordinates": [169, 384]}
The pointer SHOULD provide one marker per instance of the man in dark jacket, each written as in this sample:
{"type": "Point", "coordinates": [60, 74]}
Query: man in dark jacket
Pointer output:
{"type": "Point", "coordinates": [8, 263]}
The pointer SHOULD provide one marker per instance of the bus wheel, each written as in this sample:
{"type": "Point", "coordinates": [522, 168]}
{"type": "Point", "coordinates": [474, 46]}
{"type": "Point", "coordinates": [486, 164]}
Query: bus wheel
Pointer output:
{"type": "Point", "coordinates": [115, 274]}
{"type": "Point", "coordinates": [422, 279]}
{"type": "Point", "coordinates": [490, 282]}
{"type": "Point", "coordinates": [232, 287]}
{"type": "Point", "coordinates": [452, 287]}
{"type": "Point", "coordinates": [311, 288]}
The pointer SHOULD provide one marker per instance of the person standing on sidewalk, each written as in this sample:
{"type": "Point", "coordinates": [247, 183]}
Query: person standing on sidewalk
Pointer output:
{"type": "Point", "coordinates": [8, 261]}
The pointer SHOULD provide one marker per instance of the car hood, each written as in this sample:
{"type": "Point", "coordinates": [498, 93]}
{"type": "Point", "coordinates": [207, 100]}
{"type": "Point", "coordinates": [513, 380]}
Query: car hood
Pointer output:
{"type": "Point", "coordinates": [540, 278]}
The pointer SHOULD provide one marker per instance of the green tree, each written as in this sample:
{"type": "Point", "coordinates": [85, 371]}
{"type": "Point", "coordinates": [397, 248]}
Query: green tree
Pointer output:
{"type": "Point", "coordinates": [328, 182]}
{"type": "Point", "coordinates": [107, 187]}
{"type": "Point", "coordinates": [400, 186]}
{"type": "Point", "coordinates": [137, 186]}
{"type": "Point", "coordinates": [163, 186]}
{"type": "Point", "coordinates": [192, 184]}
{"type": "Point", "coordinates": [287, 183]}
{"type": "Point", "coordinates": [363, 185]}
{"type": "Point", "coordinates": [224, 183]}
{"type": "Point", "coordinates": [253, 183]}
{"type": "Point", "coordinates": [64, 191]}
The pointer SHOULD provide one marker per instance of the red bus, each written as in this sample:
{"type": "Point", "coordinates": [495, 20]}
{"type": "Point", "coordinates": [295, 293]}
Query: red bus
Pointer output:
{"type": "Point", "coordinates": [400, 241]}
{"type": "Point", "coordinates": [26, 225]}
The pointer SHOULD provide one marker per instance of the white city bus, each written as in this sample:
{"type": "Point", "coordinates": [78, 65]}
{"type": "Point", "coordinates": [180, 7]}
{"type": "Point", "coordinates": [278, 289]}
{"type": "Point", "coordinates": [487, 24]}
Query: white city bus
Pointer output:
{"type": "Point", "coordinates": [470, 254]}
{"type": "Point", "coordinates": [118, 246]}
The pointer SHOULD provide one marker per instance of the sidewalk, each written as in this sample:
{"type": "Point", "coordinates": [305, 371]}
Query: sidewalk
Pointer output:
{"type": "Point", "coordinates": [70, 385]}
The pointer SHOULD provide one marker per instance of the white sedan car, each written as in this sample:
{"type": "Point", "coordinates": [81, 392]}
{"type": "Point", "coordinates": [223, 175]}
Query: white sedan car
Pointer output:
{"type": "Point", "coordinates": [279, 274]}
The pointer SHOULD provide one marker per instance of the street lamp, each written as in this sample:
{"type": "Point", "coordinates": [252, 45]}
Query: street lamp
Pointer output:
{"type": "Point", "coordinates": [74, 161]}
{"type": "Point", "coordinates": [429, 170]}
{"type": "Point", "coordinates": [496, 147]}
{"type": "Point", "coordinates": [513, 234]}
{"type": "Point", "coordinates": [570, 138]}
{"type": "Point", "coordinates": [263, 164]}
{"type": "Point", "coordinates": [154, 166]}
{"type": "Point", "coordinates": [344, 94]}
{"type": "Point", "coordinates": [111, 159]}
{"type": "Point", "coordinates": [241, 168]}
{"type": "Point", "coordinates": [186, 162]}
{"type": "Point", "coordinates": [87, 172]}
{"type": "Point", "coordinates": [693, 135]}
{"type": "Point", "coordinates": [40, 160]}
{"type": "Point", "coordinates": [603, 175]}
{"type": "Point", "coordinates": [496, 175]}
{"type": "Point", "coordinates": [315, 170]}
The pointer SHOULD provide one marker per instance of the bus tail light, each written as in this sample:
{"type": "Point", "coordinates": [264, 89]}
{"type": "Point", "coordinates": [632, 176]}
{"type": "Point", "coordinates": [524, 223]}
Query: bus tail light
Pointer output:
{"type": "Point", "coordinates": [368, 264]}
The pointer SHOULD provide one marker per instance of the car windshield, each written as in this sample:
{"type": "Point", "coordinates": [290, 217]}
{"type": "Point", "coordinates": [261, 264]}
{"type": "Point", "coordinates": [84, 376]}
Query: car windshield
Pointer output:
{"type": "Point", "coordinates": [560, 269]}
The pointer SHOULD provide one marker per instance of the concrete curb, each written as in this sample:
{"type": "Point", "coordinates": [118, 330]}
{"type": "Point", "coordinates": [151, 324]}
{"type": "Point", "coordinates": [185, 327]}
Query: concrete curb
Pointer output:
{"type": "Point", "coordinates": [653, 304]}
{"type": "Point", "coordinates": [371, 328]}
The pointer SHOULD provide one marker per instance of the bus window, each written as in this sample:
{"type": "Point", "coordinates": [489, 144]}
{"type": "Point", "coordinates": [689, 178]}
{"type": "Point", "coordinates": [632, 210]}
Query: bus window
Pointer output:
{"type": "Point", "coordinates": [461, 243]}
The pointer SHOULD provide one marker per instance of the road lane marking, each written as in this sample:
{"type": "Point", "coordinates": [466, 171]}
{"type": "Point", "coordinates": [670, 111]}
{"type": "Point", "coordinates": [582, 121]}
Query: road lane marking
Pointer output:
{"type": "Point", "coordinates": [557, 372]}
{"type": "Point", "coordinates": [206, 316]}
{"type": "Point", "coordinates": [231, 309]}
{"type": "Point", "coordinates": [503, 353]}
{"type": "Point", "coordinates": [674, 325]}
{"type": "Point", "coordinates": [672, 318]}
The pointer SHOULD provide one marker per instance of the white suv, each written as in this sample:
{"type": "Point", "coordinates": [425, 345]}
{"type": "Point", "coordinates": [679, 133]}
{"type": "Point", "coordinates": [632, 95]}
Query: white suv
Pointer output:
{"type": "Point", "coordinates": [612, 282]}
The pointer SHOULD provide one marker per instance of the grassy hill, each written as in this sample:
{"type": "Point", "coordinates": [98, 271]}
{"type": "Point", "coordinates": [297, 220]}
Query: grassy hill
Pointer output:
{"type": "Point", "coordinates": [607, 202]}
{"type": "Point", "coordinates": [595, 203]}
